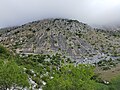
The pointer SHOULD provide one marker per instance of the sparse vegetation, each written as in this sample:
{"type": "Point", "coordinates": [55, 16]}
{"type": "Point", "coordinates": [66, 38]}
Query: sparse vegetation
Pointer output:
{"type": "Point", "coordinates": [106, 65]}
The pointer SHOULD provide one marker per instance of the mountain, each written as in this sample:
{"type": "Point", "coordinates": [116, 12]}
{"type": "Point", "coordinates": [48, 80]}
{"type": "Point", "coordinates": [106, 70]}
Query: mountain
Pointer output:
{"type": "Point", "coordinates": [109, 27]}
{"type": "Point", "coordinates": [71, 38]}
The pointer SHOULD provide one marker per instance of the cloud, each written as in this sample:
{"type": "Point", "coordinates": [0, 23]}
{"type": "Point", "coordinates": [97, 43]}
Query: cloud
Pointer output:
{"type": "Point", "coordinates": [17, 12]}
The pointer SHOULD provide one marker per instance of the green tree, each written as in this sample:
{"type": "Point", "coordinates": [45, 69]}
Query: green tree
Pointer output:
{"type": "Point", "coordinates": [4, 53]}
{"type": "Point", "coordinates": [71, 77]}
{"type": "Point", "coordinates": [11, 75]}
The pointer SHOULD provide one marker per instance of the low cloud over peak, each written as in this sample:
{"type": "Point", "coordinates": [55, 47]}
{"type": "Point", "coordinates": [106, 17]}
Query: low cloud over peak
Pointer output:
{"type": "Point", "coordinates": [17, 12]}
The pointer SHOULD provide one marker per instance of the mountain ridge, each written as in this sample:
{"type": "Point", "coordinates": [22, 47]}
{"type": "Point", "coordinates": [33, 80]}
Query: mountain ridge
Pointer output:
{"type": "Point", "coordinates": [71, 38]}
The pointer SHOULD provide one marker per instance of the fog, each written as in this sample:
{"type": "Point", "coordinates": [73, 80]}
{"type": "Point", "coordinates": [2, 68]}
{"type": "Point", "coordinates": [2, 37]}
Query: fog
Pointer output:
{"type": "Point", "coordinates": [93, 12]}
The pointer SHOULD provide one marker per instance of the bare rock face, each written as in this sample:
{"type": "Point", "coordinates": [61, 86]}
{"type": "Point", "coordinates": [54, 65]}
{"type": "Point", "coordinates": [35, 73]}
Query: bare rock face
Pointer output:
{"type": "Point", "coordinates": [69, 37]}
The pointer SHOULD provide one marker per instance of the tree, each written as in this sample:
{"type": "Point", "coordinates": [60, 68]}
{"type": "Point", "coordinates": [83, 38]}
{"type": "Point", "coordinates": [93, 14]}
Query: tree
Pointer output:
{"type": "Point", "coordinates": [4, 53]}
{"type": "Point", "coordinates": [71, 77]}
{"type": "Point", "coordinates": [11, 75]}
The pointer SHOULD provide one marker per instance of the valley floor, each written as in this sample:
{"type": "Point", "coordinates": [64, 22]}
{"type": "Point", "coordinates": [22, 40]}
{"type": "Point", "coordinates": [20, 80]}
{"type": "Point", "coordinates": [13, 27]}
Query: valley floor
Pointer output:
{"type": "Point", "coordinates": [108, 74]}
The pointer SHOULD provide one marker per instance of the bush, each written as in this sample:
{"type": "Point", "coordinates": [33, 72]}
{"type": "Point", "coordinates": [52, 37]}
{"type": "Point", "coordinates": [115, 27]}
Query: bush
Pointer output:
{"type": "Point", "coordinates": [106, 68]}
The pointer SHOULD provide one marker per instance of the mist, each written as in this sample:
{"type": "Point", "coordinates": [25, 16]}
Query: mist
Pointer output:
{"type": "Point", "coordinates": [93, 12]}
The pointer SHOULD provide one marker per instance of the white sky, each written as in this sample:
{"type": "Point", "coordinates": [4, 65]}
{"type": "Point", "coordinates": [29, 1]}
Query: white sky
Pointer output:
{"type": "Point", "coordinates": [17, 12]}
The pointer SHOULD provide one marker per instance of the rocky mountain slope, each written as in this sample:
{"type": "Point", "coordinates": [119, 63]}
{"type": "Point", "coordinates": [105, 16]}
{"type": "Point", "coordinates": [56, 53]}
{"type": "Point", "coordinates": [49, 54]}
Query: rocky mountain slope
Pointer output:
{"type": "Point", "coordinates": [71, 38]}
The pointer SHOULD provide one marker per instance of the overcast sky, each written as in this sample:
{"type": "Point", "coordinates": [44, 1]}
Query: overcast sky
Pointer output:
{"type": "Point", "coordinates": [17, 12]}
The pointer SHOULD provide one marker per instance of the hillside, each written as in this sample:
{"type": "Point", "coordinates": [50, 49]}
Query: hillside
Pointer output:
{"type": "Point", "coordinates": [71, 38]}
{"type": "Point", "coordinates": [45, 72]}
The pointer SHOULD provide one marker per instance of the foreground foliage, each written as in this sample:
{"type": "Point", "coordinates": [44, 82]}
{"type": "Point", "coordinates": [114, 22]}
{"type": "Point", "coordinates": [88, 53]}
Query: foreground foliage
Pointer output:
{"type": "Point", "coordinates": [5, 53]}
{"type": "Point", "coordinates": [11, 75]}
{"type": "Point", "coordinates": [71, 77]}
{"type": "Point", "coordinates": [57, 73]}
